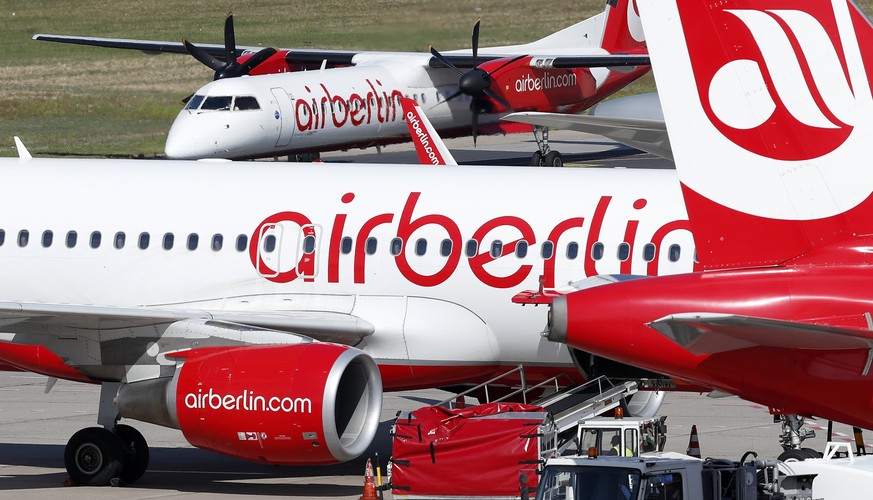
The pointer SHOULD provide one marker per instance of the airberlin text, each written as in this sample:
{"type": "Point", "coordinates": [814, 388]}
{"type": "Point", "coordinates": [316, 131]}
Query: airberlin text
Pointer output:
{"type": "Point", "coordinates": [378, 105]}
{"type": "Point", "coordinates": [247, 401]}
{"type": "Point", "coordinates": [528, 83]}
{"type": "Point", "coordinates": [424, 138]}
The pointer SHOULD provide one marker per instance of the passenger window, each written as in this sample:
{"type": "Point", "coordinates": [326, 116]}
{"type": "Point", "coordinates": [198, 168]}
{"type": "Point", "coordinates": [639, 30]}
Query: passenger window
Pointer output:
{"type": "Point", "coordinates": [72, 237]}
{"type": "Point", "coordinates": [649, 252]}
{"type": "Point", "coordinates": [472, 248]}
{"type": "Point", "coordinates": [521, 249]}
{"type": "Point", "coordinates": [623, 251]}
{"type": "Point", "coordinates": [2, 237]}
{"type": "Point", "coordinates": [396, 246]}
{"type": "Point", "coordinates": [47, 237]}
{"type": "Point", "coordinates": [245, 103]}
{"type": "Point", "coordinates": [372, 243]}
{"type": "Point", "coordinates": [217, 103]}
{"type": "Point", "coordinates": [572, 250]}
{"type": "Point", "coordinates": [242, 242]}
{"type": "Point", "coordinates": [143, 241]}
{"type": "Point", "coordinates": [674, 253]}
{"type": "Point", "coordinates": [496, 249]}
{"type": "Point", "coordinates": [269, 243]}
{"type": "Point", "coordinates": [597, 251]}
{"type": "Point", "coordinates": [168, 241]}
{"type": "Point", "coordinates": [217, 242]}
{"type": "Point", "coordinates": [23, 237]}
{"type": "Point", "coordinates": [547, 250]}
{"type": "Point", "coordinates": [193, 241]}
{"type": "Point", "coordinates": [446, 247]}
{"type": "Point", "coordinates": [346, 245]}
{"type": "Point", "coordinates": [194, 102]}
{"type": "Point", "coordinates": [119, 240]}
{"type": "Point", "coordinates": [96, 239]}
{"type": "Point", "coordinates": [309, 244]}
{"type": "Point", "coordinates": [420, 247]}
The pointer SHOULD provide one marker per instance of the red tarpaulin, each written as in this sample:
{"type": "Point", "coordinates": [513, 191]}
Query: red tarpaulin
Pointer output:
{"type": "Point", "coordinates": [476, 451]}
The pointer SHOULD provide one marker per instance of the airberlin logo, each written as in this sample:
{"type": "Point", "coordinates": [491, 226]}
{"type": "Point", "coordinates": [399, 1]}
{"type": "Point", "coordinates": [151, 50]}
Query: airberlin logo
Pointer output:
{"type": "Point", "coordinates": [247, 401]}
{"type": "Point", "coordinates": [779, 83]}
{"type": "Point", "coordinates": [424, 138]}
{"type": "Point", "coordinates": [549, 80]}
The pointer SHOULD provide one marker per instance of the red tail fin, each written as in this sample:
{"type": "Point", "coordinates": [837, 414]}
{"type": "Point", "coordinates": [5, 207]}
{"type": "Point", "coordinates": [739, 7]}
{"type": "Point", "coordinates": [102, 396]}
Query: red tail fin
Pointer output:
{"type": "Point", "coordinates": [623, 31]}
{"type": "Point", "coordinates": [428, 144]}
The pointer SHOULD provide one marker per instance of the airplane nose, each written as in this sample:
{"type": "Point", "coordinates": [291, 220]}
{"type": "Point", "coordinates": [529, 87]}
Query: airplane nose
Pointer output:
{"type": "Point", "coordinates": [186, 141]}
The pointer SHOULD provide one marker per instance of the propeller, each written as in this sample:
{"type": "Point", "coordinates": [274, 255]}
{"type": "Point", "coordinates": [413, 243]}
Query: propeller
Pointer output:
{"type": "Point", "coordinates": [476, 83]}
{"type": "Point", "coordinates": [229, 68]}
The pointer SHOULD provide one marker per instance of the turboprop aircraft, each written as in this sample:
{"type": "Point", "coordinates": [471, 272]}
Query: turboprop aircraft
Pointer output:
{"type": "Point", "coordinates": [265, 310]}
{"type": "Point", "coordinates": [768, 106]}
{"type": "Point", "coordinates": [351, 99]}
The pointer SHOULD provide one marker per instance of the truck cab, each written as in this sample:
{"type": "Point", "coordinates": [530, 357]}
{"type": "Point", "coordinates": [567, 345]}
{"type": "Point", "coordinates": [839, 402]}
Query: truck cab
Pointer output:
{"type": "Point", "coordinates": [628, 437]}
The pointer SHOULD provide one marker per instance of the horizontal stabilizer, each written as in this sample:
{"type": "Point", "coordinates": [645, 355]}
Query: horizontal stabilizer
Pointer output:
{"type": "Point", "coordinates": [710, 333]}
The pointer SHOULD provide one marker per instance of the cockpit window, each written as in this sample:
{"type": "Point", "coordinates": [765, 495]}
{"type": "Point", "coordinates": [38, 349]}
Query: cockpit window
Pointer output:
{"type": "Point", "coordinates": [245, 103]}
{"type": "Point", "coordinates": [217, 102]}
{"type": "Point", "coordinates": [194, 102]}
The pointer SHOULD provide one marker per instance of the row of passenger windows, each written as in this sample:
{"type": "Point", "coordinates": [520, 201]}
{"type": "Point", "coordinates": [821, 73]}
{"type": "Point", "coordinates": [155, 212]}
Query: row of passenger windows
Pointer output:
{"type": "Point", "coordinates": [119, 240]}
{"type": "Point", "coordinates": [395, 245]}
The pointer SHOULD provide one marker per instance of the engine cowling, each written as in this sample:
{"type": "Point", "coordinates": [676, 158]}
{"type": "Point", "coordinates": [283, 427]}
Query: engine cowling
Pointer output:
{"type": "Point", "coordinates": [314, 403]}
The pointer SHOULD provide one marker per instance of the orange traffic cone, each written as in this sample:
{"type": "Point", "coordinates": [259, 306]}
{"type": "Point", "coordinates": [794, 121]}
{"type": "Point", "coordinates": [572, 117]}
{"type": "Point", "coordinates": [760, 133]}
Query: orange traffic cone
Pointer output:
{"type": "Point", "coordinates": [693, 444]}
{"type": "Point", "coordinates": [369, 483]}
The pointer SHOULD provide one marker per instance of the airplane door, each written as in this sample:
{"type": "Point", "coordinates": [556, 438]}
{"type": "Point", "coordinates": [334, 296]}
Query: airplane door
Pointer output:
{"type": "Point", "coordinates": [268, 253]}
{"type": "Point", "coordinates": [285, 111]}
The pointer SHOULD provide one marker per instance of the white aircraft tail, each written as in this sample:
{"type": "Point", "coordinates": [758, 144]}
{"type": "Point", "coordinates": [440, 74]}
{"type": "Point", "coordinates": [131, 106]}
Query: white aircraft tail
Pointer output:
{"type": "Point", "coordinates": [428, 144]}
{"type": "Point", "coordinates": [616, 29]}
{"type": "Point", "coordinates": [769, 111]}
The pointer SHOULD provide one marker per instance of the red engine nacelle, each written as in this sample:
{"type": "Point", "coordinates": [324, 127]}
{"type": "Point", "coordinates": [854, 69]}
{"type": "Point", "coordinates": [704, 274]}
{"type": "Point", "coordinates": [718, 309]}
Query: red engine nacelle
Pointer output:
{"type": "Point", "coordinates": [529, 88]}
{"type": "Point", "coordinates": [312, 403]}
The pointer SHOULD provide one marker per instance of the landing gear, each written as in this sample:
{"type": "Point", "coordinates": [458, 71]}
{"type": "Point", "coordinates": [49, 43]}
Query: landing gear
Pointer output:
{"type": "Point", "coordinates": [792, 437]}
{"type": "Point", "coordinates": [545, 157]}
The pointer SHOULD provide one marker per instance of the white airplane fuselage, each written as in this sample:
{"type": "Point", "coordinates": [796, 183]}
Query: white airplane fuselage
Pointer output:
{"type": "Point", "coordinates": [437, 302]}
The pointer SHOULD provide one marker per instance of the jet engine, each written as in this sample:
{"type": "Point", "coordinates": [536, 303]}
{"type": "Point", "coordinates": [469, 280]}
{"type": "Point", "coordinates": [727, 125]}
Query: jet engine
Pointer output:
{"type": "Point", "coordinates": [313, 403]}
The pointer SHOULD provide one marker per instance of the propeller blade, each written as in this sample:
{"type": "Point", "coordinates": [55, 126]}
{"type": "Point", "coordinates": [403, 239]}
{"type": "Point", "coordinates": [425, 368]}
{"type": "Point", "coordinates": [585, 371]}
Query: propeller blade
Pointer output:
{"type": "Point", "coordinates": [259, 57]}
{"type": "Point", "coordinates": [494, 95]}
{"type": "Point", "coordinates": [202, 56]}
{"type": "Point", "coordinates": [434, 52]}
{"type": "Point", "coordinates": [186, 99]}
{"type": "Point", "coordinates": [475, 109]}
{"type": "Point", "coordinates": [229, 39]}
{"type": "Point", "coordinates": [507, 63]}
{"type": "Point", "coordinates": [456, 94]}
{"type": "Point", "coordinates": [476, 42]}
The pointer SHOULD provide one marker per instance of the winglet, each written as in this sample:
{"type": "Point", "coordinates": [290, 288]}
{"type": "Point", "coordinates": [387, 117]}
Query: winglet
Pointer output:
{"type": "Point", "coordinates": [428, 144]}
{"type": "Point", "coordinates": [23, 153]}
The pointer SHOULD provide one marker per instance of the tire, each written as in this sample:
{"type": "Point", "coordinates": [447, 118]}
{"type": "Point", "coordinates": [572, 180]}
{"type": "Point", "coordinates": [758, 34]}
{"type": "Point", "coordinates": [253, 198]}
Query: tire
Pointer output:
{"type": "Point", "coordinates": [93, 456]}
{"type": "Point", "coordinates": [810, 453]}
{"type": "Point", "coordinates": [135, 453]}
{"type": "Point", "coordinates": [553, 159]}
{"type": "Point", "coordinates": [536, 160]}
{"type": "Point", "coordinates": [792, 455]}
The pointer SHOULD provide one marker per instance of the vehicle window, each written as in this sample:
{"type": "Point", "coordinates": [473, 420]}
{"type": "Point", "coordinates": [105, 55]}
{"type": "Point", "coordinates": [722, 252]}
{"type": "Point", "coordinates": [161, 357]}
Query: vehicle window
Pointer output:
{"type": "Point", "coordinates": [23, 237]}
{"type": "Point", "coordinates": [420, 246]}
{"type": "Point", "coordinates": [346, 245]}
{"type": "Point", "coordinates": [194, 102]}
{"type": "Point", "coordinates": [674, 252]}
{"type": "Point", "coordinates": [521, 249]}
{"type": "Point", "coordinates": [396, 246]}
{"type": "Point", "coordinates": [47, 237]}
{"type": "Point", "coordinates": [547, 250]}
{"type": "Point", "coordinates": [269, 243]}
{"type": "Point", "coordinates": [597, 251]}
{"type": "Point", "coordinates": [372, 243]}
{"type": "Point", "coordinates": [96, 238]}
{"type": "Point", "coordinates": [472, 248]}
{"type": "Point", "coordinates": [216, 103]}
{"type": "Point", "coordinates": [72, 237]}
{"type": "Point", "coordinates": [496, 249]}
{"type": "Point", "coordinates": [217, 242]}
{"type": "Point", "coordinates": [168, 241]}
{"type": "Point", "coordinates": [446, 247]}
{"type": "Point", "coordinates": [242, 242]}
{"type": "Point", "coordinates": [572, 250]}
{"type": "Point", "coordinates": [664, 486]}
{"type": "Point", "coordinates": [118, 242]}
{"type": "Point", "coordinates": [623, 251]}
{"type": "Point", "coordinates": [245, 103]}
{"type": "Point", "coordinates": [649, 252]}
{"type": "Point", "coordinates": [193, 241]}
{"type": "Point", "coordinates": [143, 241]}
{"type": "Point", "coordinates": [309, 244]}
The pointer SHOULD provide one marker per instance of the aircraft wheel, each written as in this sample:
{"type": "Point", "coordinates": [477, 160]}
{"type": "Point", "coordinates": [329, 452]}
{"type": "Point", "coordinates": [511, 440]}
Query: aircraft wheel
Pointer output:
{"type": "Point", "coordinates": [792, 455]}
{"type": "Point", "coordinates": [810, 453]}
{"type": "Point", "coordinates": [136, 453]}
{"type": "Point", "coordinates": [553, 159]}
{"type": "Point", "coordinates": [93, 456]}
{"type": "Point", "coordinates": [536, 160]}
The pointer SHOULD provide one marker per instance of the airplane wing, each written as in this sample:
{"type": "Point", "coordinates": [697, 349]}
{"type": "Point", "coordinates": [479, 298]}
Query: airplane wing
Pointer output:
{"type": "Point", "coordinates": [644, 134]}
{"type": "Point", "coordinates": [60, 319]}
{"type": "Point", "coordinates": [710, 333]}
